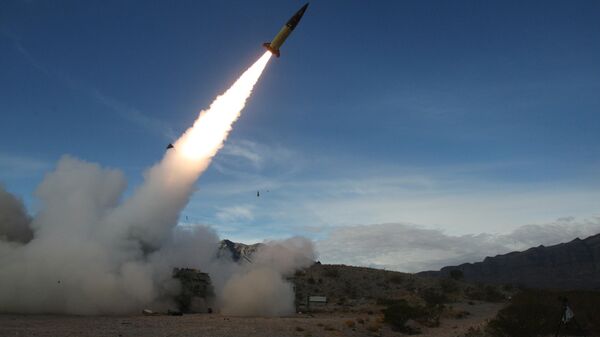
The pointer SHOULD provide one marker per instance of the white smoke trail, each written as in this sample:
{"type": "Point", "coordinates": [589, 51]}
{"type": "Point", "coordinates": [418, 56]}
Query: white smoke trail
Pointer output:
{"type": "Point", "coordinates": [175, 175]}
{"type": "Point", "coordinates": [92, 254]}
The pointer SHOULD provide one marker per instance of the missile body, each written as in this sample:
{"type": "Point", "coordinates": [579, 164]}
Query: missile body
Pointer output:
{"type": "Point", "coordinates": [283, 34]}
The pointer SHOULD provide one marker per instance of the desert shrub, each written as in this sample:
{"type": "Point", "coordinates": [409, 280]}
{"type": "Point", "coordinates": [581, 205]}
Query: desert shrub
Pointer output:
{"type": "Point", "coordinates": [488, 293]}
{"type": "Point", "coordinates": [350, 323]}
{"type": "Point", "coordinates": [433, 297]}
{"type": "Point", "coordinates": [397, 279]}
{"type": "Point", "coordinates": [462, 314]}
{"type": "Point", "coordinates": [387, 301]}
{"type": "Point", "coordinates": [398, 313]}
{"type": "Point", "coordinates": [456, 313]}
{"type": "Point", "coordinates": [299, 329]}
{"type": "Point", "coordinates": [508, 287]}
{"type": "Point", "coordinates": [350, 290]}
{"type": "Point", "coordinates": [527, 316]}
{"type": "Point", "coordinates": [492, 294]}
{"type": "Point", "coordinates": [401, 311]}
{"type": "Point", "coordinates": [449, 285]}
{"type": "Point", "coordinates": [373, 327]}
{"type": "Point", "coordinates": [328, 327]}
{"type": "Point", "coordinates": [475, 292]}
{"type": "Point", "coordinates": [456, 274]}
{"type": "Point", "coordinates": [538, 312]}
{"type": "Point", "coordinates": [475, 332]}
{"type": "Point", "coordinates": [360, 321]}
{"type": "Point", "coordinates": [331, 272]}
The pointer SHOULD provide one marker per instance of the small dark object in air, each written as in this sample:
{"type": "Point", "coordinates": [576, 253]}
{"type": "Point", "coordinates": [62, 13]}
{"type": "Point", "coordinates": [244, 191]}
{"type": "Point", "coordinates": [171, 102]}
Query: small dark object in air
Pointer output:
{"type": "Point", "coordinates": [257, 194]}
{"type": "Point", "coordinates": [170, 146]}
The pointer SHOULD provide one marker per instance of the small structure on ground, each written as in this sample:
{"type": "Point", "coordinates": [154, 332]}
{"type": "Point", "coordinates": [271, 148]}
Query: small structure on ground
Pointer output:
{"type": "Point", "coordinates": [315, 302]}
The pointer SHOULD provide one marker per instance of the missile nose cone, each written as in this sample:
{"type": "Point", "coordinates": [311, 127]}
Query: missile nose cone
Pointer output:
{"type": "Point", "coordinates": [304, 7]}
{"type": "Point", "coordinates": [283, 34]}
{"type": "Point", "coordinates": [302, 10]}
{"type": "Point", "coordinates": [293, 22]}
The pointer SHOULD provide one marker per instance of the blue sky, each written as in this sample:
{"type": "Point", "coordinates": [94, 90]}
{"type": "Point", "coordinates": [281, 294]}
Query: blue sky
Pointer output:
{"type": "Point", "coordinates": [461, 116]}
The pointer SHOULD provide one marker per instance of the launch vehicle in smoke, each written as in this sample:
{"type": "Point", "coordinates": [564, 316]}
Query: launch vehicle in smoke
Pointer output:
{"type": "Point", "coordinates": [283, 34]}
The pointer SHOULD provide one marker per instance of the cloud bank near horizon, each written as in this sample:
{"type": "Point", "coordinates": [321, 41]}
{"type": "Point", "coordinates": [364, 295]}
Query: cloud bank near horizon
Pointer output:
{"type": "Point", "coordinates": [411, 248]}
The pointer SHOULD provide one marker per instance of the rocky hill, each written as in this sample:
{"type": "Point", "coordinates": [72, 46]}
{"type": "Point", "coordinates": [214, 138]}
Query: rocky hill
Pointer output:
{"type": "Point", "coordinates": [238, 252]}
{"type": "Point", "coordinates": [571, 265]}
{"type": "Point", "coordinates": [353, 288]}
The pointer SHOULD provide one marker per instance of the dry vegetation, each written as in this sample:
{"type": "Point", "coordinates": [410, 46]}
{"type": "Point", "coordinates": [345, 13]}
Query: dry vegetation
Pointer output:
{"type": "Point", "coordinates": [358, 289]}
{"type": "Point", "coordinates": [361, 302]}
{"type": "Point", "coordinates": [537, 313]}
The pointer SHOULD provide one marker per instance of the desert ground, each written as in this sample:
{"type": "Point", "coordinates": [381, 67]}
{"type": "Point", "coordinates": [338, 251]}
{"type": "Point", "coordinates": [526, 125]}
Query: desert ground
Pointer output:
{"type": "Point", "coordinates": [215, 325]}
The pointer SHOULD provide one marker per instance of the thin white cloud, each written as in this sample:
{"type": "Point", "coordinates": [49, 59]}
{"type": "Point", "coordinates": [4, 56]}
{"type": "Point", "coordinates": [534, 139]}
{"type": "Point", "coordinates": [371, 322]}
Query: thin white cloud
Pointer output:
{"type": "Point", "coordinates": [133, 115]}
{"type": "Point", "coordinates": [459, 211]}
{"type": "Point", "coordinates": [458, 199]}
{"type": "Point", "coordinates": [128, 113]}
{"type": "Point", "coordinates": [245, 150]}
{"type": "Point", "coordinates": [235, 214]}
{"type": "Point", "coordinates": [12, 165]}
{"type": "Point", "coordinates": [248, 159]}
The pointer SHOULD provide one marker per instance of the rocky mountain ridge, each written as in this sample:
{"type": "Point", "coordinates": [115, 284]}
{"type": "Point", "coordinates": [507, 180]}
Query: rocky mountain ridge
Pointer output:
{"type": "Point", "coordinates": [238, 252]}
{"type": "Point", "coordinates": [571, 265]}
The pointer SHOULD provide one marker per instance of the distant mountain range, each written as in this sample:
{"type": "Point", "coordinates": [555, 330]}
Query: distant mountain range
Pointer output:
{"type": "Point", "coordinates": [571, 265]}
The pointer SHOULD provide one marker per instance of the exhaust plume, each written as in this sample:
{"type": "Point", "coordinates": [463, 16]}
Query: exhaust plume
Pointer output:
{"type": "Point", "coordinates": [14, 221]}
{"type": "Point", "coordinates": [261, 288]}
{"type": "Point", "coordinates": [86, 252]}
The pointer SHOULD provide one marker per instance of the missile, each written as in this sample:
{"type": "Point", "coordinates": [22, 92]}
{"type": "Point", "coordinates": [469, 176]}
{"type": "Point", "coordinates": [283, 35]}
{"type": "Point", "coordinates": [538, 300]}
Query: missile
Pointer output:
{"type": "Point", "coordinates": [283, 34]}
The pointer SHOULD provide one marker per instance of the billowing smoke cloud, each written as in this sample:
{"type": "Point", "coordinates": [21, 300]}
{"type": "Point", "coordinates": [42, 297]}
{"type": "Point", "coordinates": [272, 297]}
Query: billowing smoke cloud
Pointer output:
{"type": "Point", "coordinates": [261, 288]}
{"type": "Point", "coordinates": [14, 221]}
{"type": "Point", "coordinates": [89, 252]}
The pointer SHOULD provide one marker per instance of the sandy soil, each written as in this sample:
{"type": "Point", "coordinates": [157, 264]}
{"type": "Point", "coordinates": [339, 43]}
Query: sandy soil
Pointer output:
{"type": "Point", "coordinates": [301, 325]}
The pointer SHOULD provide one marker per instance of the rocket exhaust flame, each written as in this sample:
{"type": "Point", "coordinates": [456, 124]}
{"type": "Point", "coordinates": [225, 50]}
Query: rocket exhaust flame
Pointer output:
{"type": "Point", "coordinates": [211, 128]}
{"type": "Point", "coordinates": [175, 175]}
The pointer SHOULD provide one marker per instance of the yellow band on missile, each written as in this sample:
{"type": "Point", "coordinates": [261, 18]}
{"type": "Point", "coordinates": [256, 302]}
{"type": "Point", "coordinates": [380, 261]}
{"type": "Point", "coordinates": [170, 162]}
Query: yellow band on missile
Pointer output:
{"type": "Point", "coordinates": [280, 37]}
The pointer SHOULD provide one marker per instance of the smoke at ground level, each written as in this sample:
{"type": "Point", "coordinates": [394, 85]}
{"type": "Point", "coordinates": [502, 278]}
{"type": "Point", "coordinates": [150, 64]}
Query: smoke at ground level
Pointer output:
{"type": "Point", "coordinates": [87, 251]}
{"type": "Point", "coordinates": [75, 261]}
